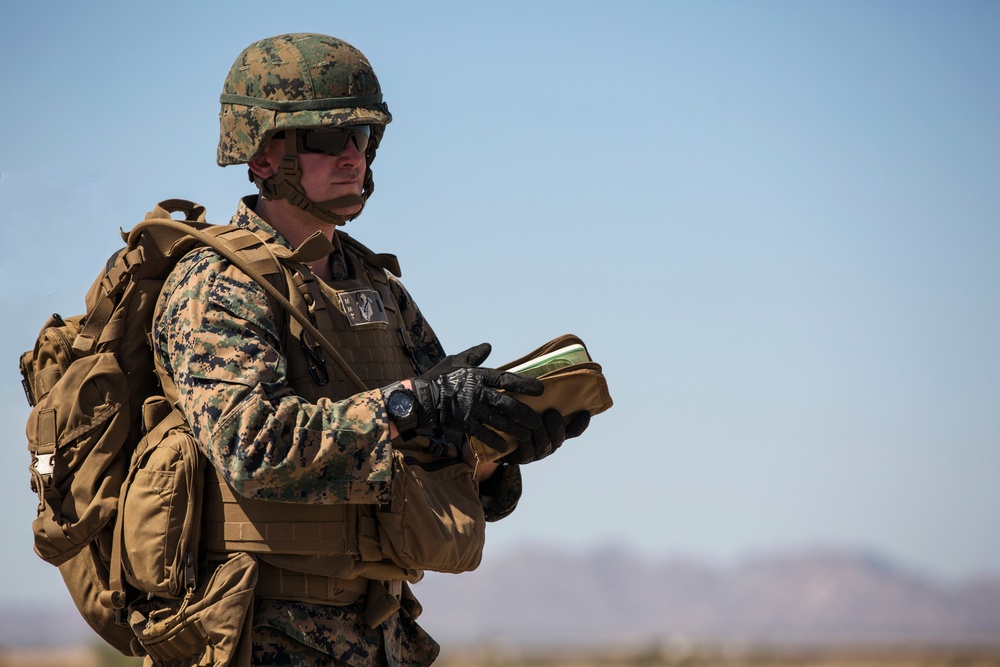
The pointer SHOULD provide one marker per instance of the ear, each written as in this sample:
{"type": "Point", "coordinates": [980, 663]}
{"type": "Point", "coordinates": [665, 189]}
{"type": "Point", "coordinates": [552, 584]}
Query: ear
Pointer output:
{"type": "Point", "coordinates": [261, 166]}
{"type": "Point", "coordinates": [265, 165]}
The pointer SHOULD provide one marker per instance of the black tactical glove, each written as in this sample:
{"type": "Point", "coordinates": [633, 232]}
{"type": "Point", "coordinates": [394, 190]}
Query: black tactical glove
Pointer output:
{"type": "Point", "coordinates": [470, 358]}
{"type": "Point", "coordinates": [549, 437]}
{"type": "Point", "coordinates": [469, 400]}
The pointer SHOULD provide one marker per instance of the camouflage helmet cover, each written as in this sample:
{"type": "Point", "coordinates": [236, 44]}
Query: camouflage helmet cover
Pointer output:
{"type": "Point", "coordinates": [294, 81]}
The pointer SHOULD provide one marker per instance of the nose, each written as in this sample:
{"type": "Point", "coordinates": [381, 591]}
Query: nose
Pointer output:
{"type": "Point", "coordinates": [351, 155]}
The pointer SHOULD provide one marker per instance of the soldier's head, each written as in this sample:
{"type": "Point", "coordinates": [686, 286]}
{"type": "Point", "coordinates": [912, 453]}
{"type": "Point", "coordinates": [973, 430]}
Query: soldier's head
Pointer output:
{"type": "Point", "coordinates": [307, 99]}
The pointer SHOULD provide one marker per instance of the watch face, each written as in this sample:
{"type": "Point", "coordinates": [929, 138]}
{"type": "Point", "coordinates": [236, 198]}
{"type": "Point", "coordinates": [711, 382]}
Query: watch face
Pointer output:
{"type": "Point", "coordinates": [400, 404]}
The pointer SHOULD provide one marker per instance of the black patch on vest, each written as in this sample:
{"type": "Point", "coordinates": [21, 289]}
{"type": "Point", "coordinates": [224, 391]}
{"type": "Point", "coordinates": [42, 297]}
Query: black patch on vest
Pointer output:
{"type": "Point", "coordinates": [363, 306]}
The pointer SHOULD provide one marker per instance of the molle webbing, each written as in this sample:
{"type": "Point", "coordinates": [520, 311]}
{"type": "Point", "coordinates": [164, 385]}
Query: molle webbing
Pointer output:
{"type": "Point", "coordinates": [383, 597]}
{"type": "Point", "coordinates": [379, 353]}
{"type": "Point", "coordinates": [281, 584]}
{"type": "Point", "coordinates": [233, 523]}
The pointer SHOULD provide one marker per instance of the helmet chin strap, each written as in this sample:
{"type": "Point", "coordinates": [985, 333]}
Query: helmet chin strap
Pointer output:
{"type": "Point", "coordinates": [284, 184]}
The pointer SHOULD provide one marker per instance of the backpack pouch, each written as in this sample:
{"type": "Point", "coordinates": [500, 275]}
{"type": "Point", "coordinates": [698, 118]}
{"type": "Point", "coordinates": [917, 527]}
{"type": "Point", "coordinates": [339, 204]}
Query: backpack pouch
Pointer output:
{"type": "Point", "coordinates": [209, 627]}
{"type": "Point", "coordinates": [75, 437]}
{"type": "Point", "coordinates": [161, 511]}
{"type": "Point", "coordinates": [435, 518]}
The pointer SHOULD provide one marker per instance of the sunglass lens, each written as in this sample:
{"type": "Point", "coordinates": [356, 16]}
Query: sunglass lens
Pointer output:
{"type": "Point", "coordinates": [334, 140]}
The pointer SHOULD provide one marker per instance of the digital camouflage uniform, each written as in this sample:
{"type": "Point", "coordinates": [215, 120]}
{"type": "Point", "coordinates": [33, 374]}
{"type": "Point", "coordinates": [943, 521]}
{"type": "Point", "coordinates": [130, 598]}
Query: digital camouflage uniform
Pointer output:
{"type": "Point", "coordinates": [216, 336]}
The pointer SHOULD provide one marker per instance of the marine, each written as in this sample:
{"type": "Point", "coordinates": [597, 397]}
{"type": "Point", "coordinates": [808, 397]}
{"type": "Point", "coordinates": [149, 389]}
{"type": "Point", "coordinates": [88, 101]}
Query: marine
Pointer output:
{"type": "Point", "coordinates": [311, 458]}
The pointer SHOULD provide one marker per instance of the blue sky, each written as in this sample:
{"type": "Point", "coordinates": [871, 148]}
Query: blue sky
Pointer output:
{"type": "Point", "coordinates": [776, 225]}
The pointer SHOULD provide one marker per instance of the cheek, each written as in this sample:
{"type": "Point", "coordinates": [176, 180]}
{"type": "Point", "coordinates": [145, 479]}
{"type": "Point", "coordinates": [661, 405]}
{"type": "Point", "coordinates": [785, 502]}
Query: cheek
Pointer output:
{"type": "Point", "coordinates": [312, 168]}
{"type": "Point", "coordinates": [312, 163]}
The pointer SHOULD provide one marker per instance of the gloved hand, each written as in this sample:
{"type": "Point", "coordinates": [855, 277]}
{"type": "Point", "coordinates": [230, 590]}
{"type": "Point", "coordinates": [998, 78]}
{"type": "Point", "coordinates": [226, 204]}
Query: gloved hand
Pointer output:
{"type": "Point", "coordinates": [469, 400]}
{"type": "Point", "coordinates": [549, 437]}
{"type": "Point", "coordinates": [470, 358]}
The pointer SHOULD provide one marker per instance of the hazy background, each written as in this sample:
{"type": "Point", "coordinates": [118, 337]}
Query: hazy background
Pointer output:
{"type": "Point", "coordinates": [776, 225]}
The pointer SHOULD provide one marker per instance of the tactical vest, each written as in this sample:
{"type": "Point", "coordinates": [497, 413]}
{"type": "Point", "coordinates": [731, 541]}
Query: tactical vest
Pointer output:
{"type": "Point", "coordinates": [328, 553]}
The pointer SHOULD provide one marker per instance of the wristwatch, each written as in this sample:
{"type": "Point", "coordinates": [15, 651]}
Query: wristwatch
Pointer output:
{"type": "Point", "coordinates": [401, 405]}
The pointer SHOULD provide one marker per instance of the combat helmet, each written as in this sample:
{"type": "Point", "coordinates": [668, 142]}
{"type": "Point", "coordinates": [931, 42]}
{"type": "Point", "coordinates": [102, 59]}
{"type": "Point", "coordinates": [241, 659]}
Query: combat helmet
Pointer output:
{"type": "Point", "coordinates": [294, 82]}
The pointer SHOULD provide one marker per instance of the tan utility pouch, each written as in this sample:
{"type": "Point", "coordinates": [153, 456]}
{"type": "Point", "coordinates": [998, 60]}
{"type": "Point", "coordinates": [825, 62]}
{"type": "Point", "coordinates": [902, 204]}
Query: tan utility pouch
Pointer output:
{"type": "Point", "coordinates": [580, 386]}
{"type": "Point", "coordinates": [160, 506]}
{"type": "Point", "coordinates": [435, 518]}
{"type": "Point", "coordinates": [209, 627]}
{"type": "Point", "coordinates": [75, 436]}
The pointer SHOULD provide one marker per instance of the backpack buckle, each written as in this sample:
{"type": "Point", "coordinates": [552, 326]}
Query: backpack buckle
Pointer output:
{"type": "Point", "coordinates": [132, 259]}
{"type": "Point", "coordinates": [125, 265]}
{"type": "Point", "coordinates": [44, 465]}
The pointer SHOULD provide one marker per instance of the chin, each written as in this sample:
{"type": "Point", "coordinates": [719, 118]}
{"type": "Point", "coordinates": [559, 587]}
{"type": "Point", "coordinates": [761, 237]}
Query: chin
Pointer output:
{"type": "Point", "coordinates": [348, 211]}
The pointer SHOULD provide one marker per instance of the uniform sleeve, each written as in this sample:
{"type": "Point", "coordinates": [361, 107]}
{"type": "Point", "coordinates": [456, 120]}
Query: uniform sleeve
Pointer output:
{"type": "Point", "coordinates": [215, 336]}
{"type": "Point", "coordinates": [500, 492]}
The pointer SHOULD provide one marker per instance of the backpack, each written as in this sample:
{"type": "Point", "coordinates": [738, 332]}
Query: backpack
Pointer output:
{"type": "Point", "coordinates": [94, 393]}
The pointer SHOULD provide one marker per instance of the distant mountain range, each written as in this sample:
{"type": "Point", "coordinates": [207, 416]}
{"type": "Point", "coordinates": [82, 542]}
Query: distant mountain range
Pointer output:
{"type": "Point", "coordinates": [543, 596]}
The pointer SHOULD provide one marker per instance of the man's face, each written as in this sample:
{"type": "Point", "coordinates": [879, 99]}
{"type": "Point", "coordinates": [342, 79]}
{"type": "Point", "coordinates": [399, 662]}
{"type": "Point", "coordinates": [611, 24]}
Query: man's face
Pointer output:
{"type": "Point", "coordinates": [324, 177]}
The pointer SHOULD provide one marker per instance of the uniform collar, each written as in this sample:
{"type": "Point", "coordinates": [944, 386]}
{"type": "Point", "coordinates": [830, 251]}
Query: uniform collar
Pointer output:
{"type": "Point", "coordinates": [247, 219]}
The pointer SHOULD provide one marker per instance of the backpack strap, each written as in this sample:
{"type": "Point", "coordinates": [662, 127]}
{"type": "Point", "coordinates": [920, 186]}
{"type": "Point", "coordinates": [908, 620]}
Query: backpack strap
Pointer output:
{"type": "Point", "coordinates": [242, 248]}
{"type": "Point", "coordinates": [249, 261]}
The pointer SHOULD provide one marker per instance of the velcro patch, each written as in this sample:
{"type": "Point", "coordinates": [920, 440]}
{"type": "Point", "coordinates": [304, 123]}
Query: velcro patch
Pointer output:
{"type": "Point", "coordinates": [363, 306]}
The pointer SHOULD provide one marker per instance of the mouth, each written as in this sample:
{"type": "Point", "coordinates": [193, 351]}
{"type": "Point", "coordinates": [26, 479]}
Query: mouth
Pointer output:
{"type": "Point", "coordinates": [353, 179]}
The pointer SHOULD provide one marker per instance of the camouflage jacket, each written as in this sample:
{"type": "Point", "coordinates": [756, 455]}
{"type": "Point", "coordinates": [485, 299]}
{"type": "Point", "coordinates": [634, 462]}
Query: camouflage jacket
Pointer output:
{"type": "Point", "coordinates": [216, 336]}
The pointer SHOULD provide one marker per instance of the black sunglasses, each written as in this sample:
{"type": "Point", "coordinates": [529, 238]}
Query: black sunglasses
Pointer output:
{"type": "Point", "coordinates": [332, 141]}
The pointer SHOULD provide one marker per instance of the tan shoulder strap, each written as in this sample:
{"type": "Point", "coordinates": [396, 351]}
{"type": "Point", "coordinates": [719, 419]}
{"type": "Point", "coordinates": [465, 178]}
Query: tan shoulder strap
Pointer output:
{"type": "Point", "coordinates": [215, 236]}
